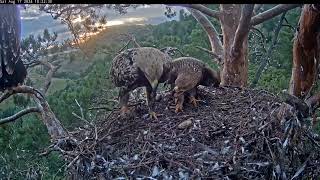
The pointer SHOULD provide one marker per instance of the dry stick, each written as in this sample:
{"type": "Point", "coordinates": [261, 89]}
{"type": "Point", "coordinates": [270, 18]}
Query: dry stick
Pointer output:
{"type": "Point", "coordinates": [265, 61]}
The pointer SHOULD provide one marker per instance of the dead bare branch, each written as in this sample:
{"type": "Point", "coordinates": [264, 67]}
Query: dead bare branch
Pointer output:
{"type": "Point", "coordinates": [212, 33]}
{"type": "Point", "coordinates": [19, 115]}
{"type": "Point", "coordinates": [243, 27]}
{"type": "Point", "coordinates": [275, 11]}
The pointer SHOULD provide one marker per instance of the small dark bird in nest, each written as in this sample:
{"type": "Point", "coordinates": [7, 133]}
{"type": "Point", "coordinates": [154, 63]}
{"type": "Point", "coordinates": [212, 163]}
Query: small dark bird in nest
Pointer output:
{"type": "Point", "coordinates": [12, 70]}
{"type": "Point", "coordinates": [185, 74]}
{"type": "Point", "coordinates": [138, 67]}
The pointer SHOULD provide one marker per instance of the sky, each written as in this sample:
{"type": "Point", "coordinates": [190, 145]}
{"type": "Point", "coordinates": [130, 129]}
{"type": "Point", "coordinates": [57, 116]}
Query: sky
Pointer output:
{"type": "Point", "coordinates": [33, 21]}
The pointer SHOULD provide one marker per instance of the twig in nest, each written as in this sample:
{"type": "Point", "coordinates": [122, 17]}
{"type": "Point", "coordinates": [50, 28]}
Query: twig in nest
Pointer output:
{"type": "Point", "coordinates": [81, 110]}
{"type": "Point", "coordinates": [72, 162]}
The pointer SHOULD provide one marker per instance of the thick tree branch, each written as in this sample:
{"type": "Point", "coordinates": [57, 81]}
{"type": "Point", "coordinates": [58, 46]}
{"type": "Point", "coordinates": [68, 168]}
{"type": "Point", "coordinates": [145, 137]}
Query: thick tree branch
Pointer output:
{"type": "Point", "coordinates": [257, 7]}
{"type": "Point", "coordinates": [55, 128]}
{"type": "Point", "coordinates": [305, 61]}
{"type": "Point", "coordinates": [243, 27]}
{"type": "Point", "coordinates": [265, 60]}
{"type": "Point", "coordinates": [212, 33]}
{"type": "Point", "coordinates": [19, 115]}
{"type": "Point", "coordinates": [275, 11]}
{"type": "Point", "coordinates": [201, 8]}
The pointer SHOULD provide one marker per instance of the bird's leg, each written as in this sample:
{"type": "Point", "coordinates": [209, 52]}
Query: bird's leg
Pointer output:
{"type": "Point", "coordinates": [151, 94]}
{"type": "Point", "coordinates": [179, 99]}
{"type": "Point", "coordinates": [124, 98]}
{"type": "Point", "coordinates": [193, 100]}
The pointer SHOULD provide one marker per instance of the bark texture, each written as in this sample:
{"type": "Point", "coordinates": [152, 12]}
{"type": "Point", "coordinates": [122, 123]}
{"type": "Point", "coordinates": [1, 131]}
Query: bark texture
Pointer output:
{"type": "Point", "coordinates": [305, 52]}
{"type": "Point", "coordinates": [235, 57]}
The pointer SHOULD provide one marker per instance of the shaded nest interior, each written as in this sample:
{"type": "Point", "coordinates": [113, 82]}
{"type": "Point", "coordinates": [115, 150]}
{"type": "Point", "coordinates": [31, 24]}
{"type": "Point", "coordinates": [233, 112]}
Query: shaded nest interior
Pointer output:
{"type": "Point", "coordinates": [233, 133]}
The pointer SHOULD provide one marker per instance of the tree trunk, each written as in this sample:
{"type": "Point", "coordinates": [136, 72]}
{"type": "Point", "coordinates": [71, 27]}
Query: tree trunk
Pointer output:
{"type": "Point", "coordinates": [305, 60]}
{"type": "Point", "coordinates": [235, 70]}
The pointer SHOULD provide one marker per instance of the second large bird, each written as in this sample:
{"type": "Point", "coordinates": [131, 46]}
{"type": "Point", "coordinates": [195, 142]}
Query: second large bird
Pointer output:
{"type": "Point", "coordinates": [138, 67]}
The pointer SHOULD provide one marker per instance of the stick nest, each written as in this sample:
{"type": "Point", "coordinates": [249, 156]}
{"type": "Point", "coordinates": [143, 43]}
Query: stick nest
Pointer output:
{"type": "Point", "coordinates": [234, 133]}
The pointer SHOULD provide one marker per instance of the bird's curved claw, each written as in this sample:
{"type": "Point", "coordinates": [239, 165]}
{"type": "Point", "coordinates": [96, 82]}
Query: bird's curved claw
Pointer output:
{"type": "Point", "coordinates": [153, 115]}
{"type": "Point", "coordinates": [179, 108]}
{"type": "Point", "coordinates": [194, 101]}
{"type": "Point", "coordinates": [125, 112]}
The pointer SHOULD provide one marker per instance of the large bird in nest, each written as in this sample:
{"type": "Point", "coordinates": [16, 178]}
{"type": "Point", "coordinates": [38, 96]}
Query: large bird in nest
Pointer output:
{"type": "Point", "coordinates": [139, 67]}
{"type": "Point", "coordinates": [12, 70]}
{"type": "Point", "coordinates": [185, 74]}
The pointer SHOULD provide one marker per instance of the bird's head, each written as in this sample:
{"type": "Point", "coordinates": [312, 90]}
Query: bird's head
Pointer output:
{"type": "Point", "coordinates": [210, 77]}
{"type": "Point", "coordinates": [171, 51]}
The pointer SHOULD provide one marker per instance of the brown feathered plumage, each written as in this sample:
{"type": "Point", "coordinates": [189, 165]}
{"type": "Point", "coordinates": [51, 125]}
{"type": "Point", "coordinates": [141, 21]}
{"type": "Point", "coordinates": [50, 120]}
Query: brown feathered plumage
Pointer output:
{"type": "Point", "coordinates": [12, 70]}
{"type": "Point", "coordinates": [138, 67]}
{"type": "Point", "coordinates": [186, 73]}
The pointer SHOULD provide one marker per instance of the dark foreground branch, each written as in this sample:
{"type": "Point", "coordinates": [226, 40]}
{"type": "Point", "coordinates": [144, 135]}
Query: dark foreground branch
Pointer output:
{"type": "Point", "coordinates": [19, 115]}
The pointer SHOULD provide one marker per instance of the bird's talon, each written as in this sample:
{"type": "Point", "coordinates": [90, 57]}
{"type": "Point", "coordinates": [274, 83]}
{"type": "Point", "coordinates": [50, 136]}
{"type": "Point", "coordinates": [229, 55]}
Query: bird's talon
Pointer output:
{"type": "Point", "coordinates": [194, 101]}
{"type": "Point", "coordinates": [178, 108]}
{"type": "Point", "coordinates": [124, 111]}
{"type": "Point", "coordinates": [153, 115]}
